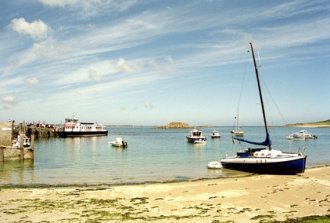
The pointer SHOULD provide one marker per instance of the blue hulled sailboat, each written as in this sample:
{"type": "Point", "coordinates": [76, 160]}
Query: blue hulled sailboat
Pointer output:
{"type": "Point", "coordinates": [264, 159]}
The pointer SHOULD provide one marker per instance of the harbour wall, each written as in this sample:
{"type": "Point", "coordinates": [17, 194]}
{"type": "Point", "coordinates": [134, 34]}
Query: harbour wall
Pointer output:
{"type": "Point", "coordinates": [12, 146]}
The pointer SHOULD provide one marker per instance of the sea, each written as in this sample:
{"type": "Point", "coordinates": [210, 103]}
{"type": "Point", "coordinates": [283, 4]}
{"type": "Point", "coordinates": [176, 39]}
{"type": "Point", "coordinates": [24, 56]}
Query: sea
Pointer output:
{"type": "Point", "coordinates": [153, 155]}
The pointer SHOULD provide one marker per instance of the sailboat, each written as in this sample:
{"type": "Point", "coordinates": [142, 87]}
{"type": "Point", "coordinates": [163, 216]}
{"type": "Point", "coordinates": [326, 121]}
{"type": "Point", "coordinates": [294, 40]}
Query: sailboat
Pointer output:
{"type": "Point", "coordinates": [238, 131]}
{"type": "Point", "coordinates": [265, 159]}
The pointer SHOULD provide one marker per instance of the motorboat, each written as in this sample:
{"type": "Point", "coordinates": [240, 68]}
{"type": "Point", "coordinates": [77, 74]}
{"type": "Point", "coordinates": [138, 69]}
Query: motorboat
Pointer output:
{"type": "Point", "coordinates": [26, 142]}
{"type": "Point", "coordinates": [264, 159]}
{"type": "Point", "coordinates": [215, 134]}
{"type": "Point", "coordinates": [119, 142]}
{"type": "Point", "coordinates": [196, 136]}
{"type": "Point", "coordinates": [214, 165]}
{"type": "Point", "coordinates": [72, 127]}
{"type": "Point", "coordinates": [200, 141]}
{"type": "Point", "coordinates": [302, 134]}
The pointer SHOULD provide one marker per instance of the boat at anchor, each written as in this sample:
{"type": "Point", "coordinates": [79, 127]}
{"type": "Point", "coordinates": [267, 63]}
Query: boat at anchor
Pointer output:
{"type": "Point", "coordinates": [264, 159]}
{"type": "Point", "coordinates": [302, 134]}
{"type": "Point", "coordinates": [196, 136]}
{"type": "Point", "coordinates": [72, 127]}
{"type": "Point", "coordinates": [215, 134]}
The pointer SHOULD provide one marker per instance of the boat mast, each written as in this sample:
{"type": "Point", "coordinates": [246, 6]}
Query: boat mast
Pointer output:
{"type": "Point", "coordinates": [260, 95]}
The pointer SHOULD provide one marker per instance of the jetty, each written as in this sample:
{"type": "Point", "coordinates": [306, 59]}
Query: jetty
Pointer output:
{"type": "Point", "coordinates": [14, 143]}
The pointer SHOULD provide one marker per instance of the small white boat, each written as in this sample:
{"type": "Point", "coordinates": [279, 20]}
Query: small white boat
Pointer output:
{"type": "Point", "coordinates": [200, 141]}
{"type": "Point", "coordinates": [26, 142]}
{"type": "Point", "coordinates": [302, 134]}
{"type": "Point", "coordinates": [119, 142]}
{"type": "Point", "coordinates": [237, 132]}
{"type": "Point", "coordinates": [214, 165]}
{"type": "Point", "coordinates": [215, 134]}
{"type": "Point", "coordinates": [196, 136]}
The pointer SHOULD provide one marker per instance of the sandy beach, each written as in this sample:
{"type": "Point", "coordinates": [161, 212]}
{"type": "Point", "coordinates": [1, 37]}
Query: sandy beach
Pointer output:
{"type": "Point", "coordinates": [244, 199]}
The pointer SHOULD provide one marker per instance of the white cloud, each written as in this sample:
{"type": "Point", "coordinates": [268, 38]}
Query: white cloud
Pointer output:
{"type": "Point", "coordinates": [94, 75]}
{"type": "Point", "coordinates": [60, 3]}
{"type": "Point", "coordinates": [33, 81]}
{"type": "Point", "coordinates": [167, 67]}
{"type": "Point", "coordinates": [36, 29]}
{"type": "Point", "coordinates": [123, 66]}
{"type": "Point", "coordinates": [90, 7]}
{"type": "Point", "coordinates": [9, 99]}
{"type": "Point", "coordinates": [148, 105]}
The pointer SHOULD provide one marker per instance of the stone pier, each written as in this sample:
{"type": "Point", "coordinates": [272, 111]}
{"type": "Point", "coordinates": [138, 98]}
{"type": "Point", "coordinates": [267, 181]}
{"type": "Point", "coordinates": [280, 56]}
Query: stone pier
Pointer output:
{"type": "Point", "coordinates": [18, 151]}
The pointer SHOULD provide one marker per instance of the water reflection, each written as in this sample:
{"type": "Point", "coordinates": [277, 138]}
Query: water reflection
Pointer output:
{"type": "Point", "coordinates": [17, 172]}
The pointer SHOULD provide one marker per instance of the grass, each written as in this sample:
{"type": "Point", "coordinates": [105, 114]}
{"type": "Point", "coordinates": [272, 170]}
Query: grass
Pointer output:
{"type": "Point", "coordinates": [320, 123]}
{"type": "Point", "coordinates": [308, 219]}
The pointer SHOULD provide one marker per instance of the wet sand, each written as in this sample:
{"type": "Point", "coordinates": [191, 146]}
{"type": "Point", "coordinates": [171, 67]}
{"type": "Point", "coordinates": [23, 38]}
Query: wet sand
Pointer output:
{"type": "Point", "coordinates": [243, 199]}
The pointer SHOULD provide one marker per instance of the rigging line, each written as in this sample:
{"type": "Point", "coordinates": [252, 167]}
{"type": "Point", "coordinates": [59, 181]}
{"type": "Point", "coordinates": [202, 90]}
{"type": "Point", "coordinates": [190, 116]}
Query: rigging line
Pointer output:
{"type": "Point", "coordinates": [273, 101]}
{"type": "Point", "coordinates": [265, 86]}
{"type": "Point", "coordinates": [241, 92]}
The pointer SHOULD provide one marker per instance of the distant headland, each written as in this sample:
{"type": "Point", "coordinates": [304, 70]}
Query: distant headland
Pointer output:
{"type": "Point", "coordinates": [175, 125]}
{"type": "Point", "coordinates": [321, 124]}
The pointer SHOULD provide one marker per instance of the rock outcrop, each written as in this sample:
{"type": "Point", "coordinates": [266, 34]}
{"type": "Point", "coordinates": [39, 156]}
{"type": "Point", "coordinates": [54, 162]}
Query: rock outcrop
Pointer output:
{"type": "Point", "coordinates": [176, 125]}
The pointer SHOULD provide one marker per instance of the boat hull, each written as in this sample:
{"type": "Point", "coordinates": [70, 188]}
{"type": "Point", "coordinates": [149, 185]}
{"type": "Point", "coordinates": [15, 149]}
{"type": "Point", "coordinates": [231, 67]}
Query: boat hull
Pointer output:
{"type": "Point", "coordinates": [196, 140]}
{"type": "Point", "coordinates": [81, 133]}
{"type": "Point", "coordinates": [289, 165]}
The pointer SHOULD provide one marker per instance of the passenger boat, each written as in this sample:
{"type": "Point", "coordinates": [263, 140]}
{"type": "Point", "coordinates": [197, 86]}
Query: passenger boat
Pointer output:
{"type": "Point", "coordinates": [196, 136]}
{"type": "Point", "coordinates": [215, 134]}
{"type": "Point", "coordinates": [264, 159]}
{"type": "Point", "coordinates": [72, 127]}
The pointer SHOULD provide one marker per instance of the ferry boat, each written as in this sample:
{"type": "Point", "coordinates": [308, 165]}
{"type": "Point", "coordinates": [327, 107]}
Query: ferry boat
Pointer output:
{"type": "Point", "coordinates": [72, 127]}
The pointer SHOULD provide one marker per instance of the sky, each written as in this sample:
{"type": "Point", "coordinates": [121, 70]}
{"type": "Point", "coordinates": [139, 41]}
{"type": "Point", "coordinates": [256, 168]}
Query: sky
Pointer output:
{"type": "Point", "coordinates": [150, 62]}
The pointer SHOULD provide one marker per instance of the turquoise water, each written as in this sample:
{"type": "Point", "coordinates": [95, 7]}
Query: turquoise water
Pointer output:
{"type": "Point", "coordinates": [153, 155]}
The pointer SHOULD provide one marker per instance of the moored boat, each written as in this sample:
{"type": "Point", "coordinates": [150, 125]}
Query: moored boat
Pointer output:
{"type": "Point", "coordinates": [265, 159]}
{"type": "Point", "coordinates": [302, 134]}
{"type": "Point", "coordinates": [215, 134]}
{"type": "Point", "coordinates": [119, 142]}
{"type": "Point", "coordinates": [237, 132]}
{"type": "Point", "coordinates": [214, 165]}
{"type": "Point", "coordinates": [72, 127]}
{"type": "Point", "coordinates": [196, 136]}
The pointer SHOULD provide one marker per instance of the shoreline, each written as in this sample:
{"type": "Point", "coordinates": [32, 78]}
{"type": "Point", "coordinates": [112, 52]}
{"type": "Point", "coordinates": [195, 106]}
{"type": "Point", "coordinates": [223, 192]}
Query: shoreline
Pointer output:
{"type": "Point", "coordinates": [306, 126]}
{"type": "Point", "coordinates": [238, 199]}
{"type": "Point", "coordinates": [170, 181]}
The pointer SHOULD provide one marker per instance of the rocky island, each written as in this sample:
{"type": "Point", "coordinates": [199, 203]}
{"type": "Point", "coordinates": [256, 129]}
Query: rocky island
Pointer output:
{"type": "Point", "coordinates": [175, 125]}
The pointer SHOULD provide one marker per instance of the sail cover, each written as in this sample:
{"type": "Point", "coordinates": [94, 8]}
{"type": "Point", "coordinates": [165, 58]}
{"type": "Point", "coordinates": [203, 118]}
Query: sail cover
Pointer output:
{"type": "Point", "coordinates": [267, 141]}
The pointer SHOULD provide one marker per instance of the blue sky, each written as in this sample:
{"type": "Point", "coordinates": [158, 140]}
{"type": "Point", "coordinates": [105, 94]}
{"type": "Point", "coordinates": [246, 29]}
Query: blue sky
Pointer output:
{"type": "Point", "coordinates": [151, 62]}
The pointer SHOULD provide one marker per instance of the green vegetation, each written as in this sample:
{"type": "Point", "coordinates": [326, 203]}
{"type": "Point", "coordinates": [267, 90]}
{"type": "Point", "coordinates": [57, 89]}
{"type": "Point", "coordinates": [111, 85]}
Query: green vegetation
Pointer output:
{"type": "Point", "coordinates": [325, 123]}
{"type": "Point", "coordinates": [175, 125]}
{"type": "Point", "coordinates": [308, 219]}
